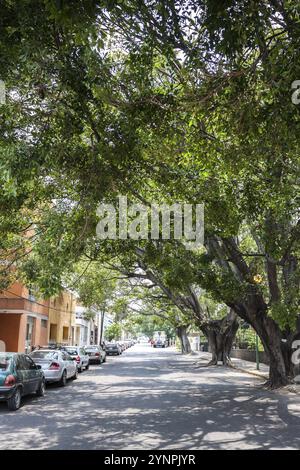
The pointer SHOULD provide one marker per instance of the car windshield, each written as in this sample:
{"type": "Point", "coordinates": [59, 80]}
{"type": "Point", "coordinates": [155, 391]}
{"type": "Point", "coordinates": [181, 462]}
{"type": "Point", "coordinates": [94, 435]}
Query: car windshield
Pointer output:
{"type": "Point", "coordinates": [44, 355]}
{"type": "Point", "coordinates": [5, 361]}
{"type": "Point", "coordinates": [91, 349]}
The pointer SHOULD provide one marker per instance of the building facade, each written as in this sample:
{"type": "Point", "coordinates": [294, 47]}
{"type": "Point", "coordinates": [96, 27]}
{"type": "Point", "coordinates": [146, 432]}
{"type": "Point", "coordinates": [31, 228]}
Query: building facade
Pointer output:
{"type": "Point", "coordinates": [24, 319]}
{"type": "Point", "coordinates": [62, 319]}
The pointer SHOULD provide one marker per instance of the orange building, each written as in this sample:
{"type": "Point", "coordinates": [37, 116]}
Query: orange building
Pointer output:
{"type": "Point", "coordinates": [24, 320]}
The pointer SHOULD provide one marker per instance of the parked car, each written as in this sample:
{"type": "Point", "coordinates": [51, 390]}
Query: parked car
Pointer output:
{"type": "Point", "coordinates": [122, 345]}
{"type": "Point", "coordinates": [96, 354]}
{"type": "Point", "coordinates": [113, 349]}
{"type": "Point", "coordinates": [80, 355]}
{"type": "Point", "coordinates": [19, 376]}
{"type": "Point", "coordinates": [159, 343]}
{"type": "Point", "coordinates": [57, 365]}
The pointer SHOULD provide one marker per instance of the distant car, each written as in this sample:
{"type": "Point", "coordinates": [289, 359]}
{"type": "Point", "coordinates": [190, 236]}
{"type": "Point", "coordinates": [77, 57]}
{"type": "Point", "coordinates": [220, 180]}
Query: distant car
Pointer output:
{"type": "Point", "coordinates": [19, 376]}
{"type": "Point", "coordinates": [57, 365]}
{"type": "Point", "coordinates": [80, 355]}
{"type": "Point", "coordinates": [159, 343]}
{"type": "Point", "coordinates": [113, 349]}
{"type": "Point", "coordinates": [96, 354]}
{"type": "Point", "coordinates": [122, 345]}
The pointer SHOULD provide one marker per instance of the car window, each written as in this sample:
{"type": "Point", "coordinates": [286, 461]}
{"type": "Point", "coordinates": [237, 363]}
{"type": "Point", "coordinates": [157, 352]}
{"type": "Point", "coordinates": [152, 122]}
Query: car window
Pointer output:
{"type": "Point", "coordinates": [29, 362]}
{"type": "Point", "coordinates": [71, 351]}
{"type": "Point", "coordinates": [22, 363]}
{"type": "Point", "coordinates": [66, 357]}
{"type": "Point", "coordinates": [5, 362]}
{"type": "Point", "coordinates": [82, 352]}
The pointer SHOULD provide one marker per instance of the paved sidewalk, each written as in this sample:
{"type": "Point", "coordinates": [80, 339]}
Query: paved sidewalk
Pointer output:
{"type": "Point", "coordinates": [249, 367]}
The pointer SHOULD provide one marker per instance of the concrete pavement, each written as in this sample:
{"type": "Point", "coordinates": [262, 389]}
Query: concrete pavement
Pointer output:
{"type": "Point", "coordinates": [155, 399]}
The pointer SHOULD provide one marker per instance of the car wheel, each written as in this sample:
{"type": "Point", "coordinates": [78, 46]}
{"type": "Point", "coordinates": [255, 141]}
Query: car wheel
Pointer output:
{"type": "Point", "coordinates": [41, 389]}
{"type": "Point", "coordinates": [75, 376]}
{"type": "Point", "coordinates": [14, 402]}
{"type": "Point", "coordinates": [79, 369]}
{"type": "Point", "coordinates": [63, 380]}
{"type": "Point", "coordinates": [87, 366]}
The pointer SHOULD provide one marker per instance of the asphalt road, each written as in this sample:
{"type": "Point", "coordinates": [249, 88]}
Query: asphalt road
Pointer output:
{"type": "Point", "coordinates": [155, 399]}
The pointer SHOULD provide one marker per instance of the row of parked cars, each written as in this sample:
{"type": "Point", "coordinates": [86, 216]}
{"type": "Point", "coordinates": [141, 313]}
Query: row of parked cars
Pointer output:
{"type": "Point", "coordinates": [23, 374]}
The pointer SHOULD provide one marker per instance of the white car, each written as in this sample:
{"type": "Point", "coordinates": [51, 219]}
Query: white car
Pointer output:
{"type": "Point", "coordinates": [57, 365]}
{"type": "Point", "coordinates": [96, 354]}
{"type": "Point", "coordinates": [81, 357]}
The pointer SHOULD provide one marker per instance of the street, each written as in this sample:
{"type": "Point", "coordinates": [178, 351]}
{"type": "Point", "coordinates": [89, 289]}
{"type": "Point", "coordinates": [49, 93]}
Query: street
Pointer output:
{"type": "Point", "coordinates": [155, 399]}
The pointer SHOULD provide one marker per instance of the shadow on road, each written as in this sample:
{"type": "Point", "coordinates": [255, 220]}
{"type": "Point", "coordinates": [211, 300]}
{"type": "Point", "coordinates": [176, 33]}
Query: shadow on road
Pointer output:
{"type": "Point", "coordinates": [145, 401]}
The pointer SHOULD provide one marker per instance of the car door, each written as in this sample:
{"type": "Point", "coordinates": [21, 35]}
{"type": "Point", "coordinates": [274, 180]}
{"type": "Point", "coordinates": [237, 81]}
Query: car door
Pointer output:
{"type": "Point", "coordinates": [84, 357]}
{"type": "Point", "coordinates": [23, 375]}
{"type": "Point", "coordinates": [69, 364]}
{"type": "Point", "coordinates": [34, 375]}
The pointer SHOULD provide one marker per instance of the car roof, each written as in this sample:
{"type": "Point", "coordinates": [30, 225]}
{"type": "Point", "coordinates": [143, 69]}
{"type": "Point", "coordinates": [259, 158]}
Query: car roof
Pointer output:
{"type": "Point", "coordinates": [47, 350]}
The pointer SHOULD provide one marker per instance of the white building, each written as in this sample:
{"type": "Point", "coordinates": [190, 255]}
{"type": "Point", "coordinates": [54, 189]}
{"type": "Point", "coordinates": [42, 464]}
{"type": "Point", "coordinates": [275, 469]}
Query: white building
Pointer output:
{"type": "Point", "coordinates": [89, 331]}
{"type": "Point", "coordinates": [83, 327]}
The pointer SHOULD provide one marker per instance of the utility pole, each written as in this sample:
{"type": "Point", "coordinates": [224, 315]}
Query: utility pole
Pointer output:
{"type": "Point", "coordinates": [256, 351]}
{"type": "Point", "coordinates": [101, 327]}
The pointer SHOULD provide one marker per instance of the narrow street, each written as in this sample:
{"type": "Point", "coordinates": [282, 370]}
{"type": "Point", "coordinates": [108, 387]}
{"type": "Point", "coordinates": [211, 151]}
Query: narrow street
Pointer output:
{"type": "Point", "coordinates": [155, 399]}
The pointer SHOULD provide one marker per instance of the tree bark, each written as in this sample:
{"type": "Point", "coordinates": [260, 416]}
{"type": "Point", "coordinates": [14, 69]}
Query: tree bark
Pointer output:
{"type": "Point", "coordinates": [181, 332]}
{"type": "Point", "coordinates": [255, 313]}
{"type": "Point", "coordinates": [220, 335]}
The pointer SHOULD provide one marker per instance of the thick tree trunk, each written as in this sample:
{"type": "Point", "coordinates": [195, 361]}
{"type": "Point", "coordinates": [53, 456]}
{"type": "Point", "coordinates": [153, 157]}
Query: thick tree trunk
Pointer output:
{"type": "Point", "coordinates": [271, 336]}
{"type": "Point", "coordinates": [181, 332]}
{"type": "Point", "coordinates": [220, 335]}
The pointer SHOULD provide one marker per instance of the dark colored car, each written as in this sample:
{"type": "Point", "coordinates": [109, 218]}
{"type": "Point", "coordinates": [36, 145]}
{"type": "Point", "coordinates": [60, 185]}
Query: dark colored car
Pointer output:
{"type": "Point", "coordinates": [159, 343]}
{"type": "Point", "coordinates": [19, 376]}
{"type": "Point", "coordinates": [113, 348]}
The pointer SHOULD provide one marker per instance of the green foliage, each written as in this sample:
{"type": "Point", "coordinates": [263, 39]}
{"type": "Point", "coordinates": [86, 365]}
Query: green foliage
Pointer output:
{"type": "Point", "coordinates": [113, 332]}
{"type": "Point", "coordinates": [246, 337]}
{"type": "Point", "coordinates": [170, 101]}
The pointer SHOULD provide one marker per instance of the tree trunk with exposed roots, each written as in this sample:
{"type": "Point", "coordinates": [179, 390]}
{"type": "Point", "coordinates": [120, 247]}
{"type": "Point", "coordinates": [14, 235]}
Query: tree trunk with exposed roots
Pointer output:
{"type": "Point", "coordinates": [221, 335]}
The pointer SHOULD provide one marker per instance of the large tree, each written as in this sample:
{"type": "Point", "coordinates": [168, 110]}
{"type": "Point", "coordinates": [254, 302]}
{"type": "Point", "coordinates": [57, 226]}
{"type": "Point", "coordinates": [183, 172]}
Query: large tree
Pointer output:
{"type": "Point", "coordinates": [194, 98]}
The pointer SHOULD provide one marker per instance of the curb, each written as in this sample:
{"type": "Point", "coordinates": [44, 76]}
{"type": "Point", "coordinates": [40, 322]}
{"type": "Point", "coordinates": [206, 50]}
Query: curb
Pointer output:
{"type": "Point", "coordinates": [288, 388]}
{"type": "Point", "coordinates": [256, 374]}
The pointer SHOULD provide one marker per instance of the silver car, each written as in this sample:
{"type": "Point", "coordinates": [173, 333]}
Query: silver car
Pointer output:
{"type": "Point", "coordinates": [96, 354]}
{"type": "Point", "coordinates": [57, 365]}
{"type": "Point", "coordinates": [81, 357]}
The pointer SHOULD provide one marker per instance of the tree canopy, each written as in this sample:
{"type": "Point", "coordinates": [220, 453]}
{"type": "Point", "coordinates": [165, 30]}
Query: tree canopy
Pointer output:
{"type": "Point", "coordinates": [161, 101]}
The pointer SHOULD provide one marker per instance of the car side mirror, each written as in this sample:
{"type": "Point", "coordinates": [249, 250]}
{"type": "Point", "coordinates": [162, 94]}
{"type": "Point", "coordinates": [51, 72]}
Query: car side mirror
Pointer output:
{"type": "Point", "coordinates": [38, 366]}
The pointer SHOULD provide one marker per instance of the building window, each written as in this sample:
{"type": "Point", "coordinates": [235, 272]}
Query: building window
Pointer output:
{"type": "Point", "coordinates": [44, 323]}
{"type": "Point", "coordinates": [65, 333]}
{"type": "Point", "coordinates": [31, 295]}
{"type": "Point", "coordinates": [53, 332]}
{"type": "Point", "coordinates": [85, 334]}
{"type": "Point", "coordinates": [29, 334]}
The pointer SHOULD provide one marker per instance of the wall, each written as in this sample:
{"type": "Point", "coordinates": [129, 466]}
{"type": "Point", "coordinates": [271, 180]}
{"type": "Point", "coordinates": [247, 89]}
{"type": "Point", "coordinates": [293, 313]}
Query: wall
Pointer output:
{"type": "Point", "coordinates": [9, 331]}
{"type": "Point", "coordinates": [16, 305]}
{"type": "Point", "coordinates": [248, 355]}
{"type": "Point", "coordinates": [62, 314]}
